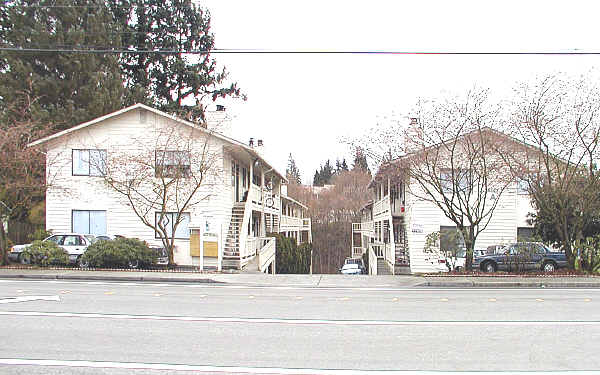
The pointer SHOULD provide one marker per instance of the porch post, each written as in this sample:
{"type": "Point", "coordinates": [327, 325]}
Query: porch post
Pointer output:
{"type": "Point", "coordinates": [263, 229]}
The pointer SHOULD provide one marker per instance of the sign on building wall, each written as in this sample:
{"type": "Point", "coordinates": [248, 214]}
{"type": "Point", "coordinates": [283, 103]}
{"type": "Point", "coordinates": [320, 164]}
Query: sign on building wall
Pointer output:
{"type": "Point", "coordinates": [417, 228]}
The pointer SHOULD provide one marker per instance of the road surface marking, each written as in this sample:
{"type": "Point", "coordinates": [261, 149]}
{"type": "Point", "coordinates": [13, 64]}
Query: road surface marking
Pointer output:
{"type": "Point", "coordinates": [305, 321]}
{"type": "Point", "coordinates": [29, 298]}
{"type": "Point", "coordinates": [306, 287]}
{"type": "Point", "coordinates": [250, 370]}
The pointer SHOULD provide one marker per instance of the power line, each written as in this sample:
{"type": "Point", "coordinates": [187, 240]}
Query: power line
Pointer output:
{"type": "Point", "coordinates": [92, 49]}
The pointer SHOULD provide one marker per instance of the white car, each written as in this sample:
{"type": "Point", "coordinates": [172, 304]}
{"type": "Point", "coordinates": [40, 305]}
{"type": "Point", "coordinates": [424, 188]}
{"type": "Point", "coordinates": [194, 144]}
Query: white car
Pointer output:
{"type": "Point", "coordinates": [74, 243]}
{"type": "Point", "coordinates": [351, 269]}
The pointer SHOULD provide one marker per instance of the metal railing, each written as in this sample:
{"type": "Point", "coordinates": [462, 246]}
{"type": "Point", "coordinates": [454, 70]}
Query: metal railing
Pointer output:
{"type": "Point", "coordinates": [357, 251]}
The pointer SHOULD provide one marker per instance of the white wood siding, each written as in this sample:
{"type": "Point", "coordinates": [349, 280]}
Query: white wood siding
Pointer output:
{"type": "Point", "coordinates": [124, 134]}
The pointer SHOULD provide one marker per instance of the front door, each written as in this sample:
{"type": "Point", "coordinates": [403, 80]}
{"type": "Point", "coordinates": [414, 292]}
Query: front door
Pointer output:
{"type": "Point", "coordinates": [237, 183]}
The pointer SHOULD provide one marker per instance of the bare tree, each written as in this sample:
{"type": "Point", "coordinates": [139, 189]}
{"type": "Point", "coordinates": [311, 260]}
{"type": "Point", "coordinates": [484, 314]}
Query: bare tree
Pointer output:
{"type": "Point", "coordinates": [332, 213]}
{"type": "Point", "coordinates": [559, 117]}
{"type": "Point", "coordinates": [448, 157]}
{"type": "Point", "coordinates": [23, 180]}
{"type": "Point", "coordinates": [162, 178]}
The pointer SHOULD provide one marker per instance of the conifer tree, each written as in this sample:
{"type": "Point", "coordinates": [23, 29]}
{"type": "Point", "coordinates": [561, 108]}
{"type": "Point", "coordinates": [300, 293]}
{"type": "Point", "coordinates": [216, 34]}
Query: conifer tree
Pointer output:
{"type": "Point", "coordinates": [292, 172]}
{"type": "Point", "coordinates": [173, 82]}
{"type": "Point", "coordinates": [69, 88]}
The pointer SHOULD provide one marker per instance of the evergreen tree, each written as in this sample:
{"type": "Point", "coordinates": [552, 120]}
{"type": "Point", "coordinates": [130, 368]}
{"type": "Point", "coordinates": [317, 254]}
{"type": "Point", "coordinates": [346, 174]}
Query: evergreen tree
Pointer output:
{"type": "Point", "coordinates": [166, 80]}
{"type": "Point", "coordinates": [360, 161]}
{"type": "Point", "coordinates": [292, 172]}
{"type": "Point", "coordinates": [317, 179]}
{"type": "Point", "coordinates": [344, 166]}
{"type": "Point", "coordinates": [67, 88]}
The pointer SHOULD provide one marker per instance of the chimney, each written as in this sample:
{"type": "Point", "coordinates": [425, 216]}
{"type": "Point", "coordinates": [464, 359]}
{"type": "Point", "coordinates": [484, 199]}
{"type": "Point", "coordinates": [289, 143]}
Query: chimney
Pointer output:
{"type": "Point", "coordinates": [259, 146]}
{"type": "Point", "coordinates": [218, 121]}
{"type": "Point", "coordinates": [251, 143]}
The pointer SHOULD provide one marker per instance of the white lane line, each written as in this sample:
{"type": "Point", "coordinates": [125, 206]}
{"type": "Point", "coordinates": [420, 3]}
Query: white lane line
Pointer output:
{"type": "Point", "coordinates": [298, 287]}
{"type": "Point", "coordinates": [304, 321]}
{"type": "Point", "coordinates": [251, 370]}
{"type": "Point", "coordinates": [29, 298]}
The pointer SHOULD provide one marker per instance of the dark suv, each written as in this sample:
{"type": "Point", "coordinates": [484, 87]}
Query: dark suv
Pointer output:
{"type": "Point", "coordinates": [521, 256]}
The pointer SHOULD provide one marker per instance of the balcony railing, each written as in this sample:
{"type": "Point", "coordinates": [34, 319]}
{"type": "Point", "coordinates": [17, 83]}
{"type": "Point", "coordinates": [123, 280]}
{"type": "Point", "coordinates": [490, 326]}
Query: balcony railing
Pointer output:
{"type": "Point", "coordinates": [290, 221]}
{"type": "Point", "coordinates": [357, 251]}
{"type": "Point", "coordinates": [367, 226]}
{"type": "Point", "coordinates": [381, 206]}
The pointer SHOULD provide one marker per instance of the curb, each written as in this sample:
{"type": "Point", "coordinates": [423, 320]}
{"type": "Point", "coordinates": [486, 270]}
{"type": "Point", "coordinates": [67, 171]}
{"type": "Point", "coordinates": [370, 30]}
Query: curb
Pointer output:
{"type": "Point", "coordinates": [113, 278]}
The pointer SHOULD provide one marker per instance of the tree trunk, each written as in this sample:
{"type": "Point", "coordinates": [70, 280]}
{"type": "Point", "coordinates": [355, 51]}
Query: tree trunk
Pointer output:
{"type": "Point", "coordinates": [468, 234]}
{"type": "Point", "coordinates": [3, 245]}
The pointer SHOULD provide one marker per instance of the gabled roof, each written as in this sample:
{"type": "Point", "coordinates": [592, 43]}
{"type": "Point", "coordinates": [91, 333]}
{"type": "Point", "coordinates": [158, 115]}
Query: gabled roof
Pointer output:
{"type": "Point", "coordinates": [486, 129]}
{"type": "Point", "coordinates": [97, 120]}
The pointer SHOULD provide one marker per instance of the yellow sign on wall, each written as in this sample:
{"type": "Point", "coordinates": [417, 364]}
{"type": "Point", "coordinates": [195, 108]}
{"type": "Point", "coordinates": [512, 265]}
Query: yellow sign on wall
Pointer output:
{"type": "Point", "coordinates": [211, 249]}
{"type": "Point", "coordinates": [195, 243]}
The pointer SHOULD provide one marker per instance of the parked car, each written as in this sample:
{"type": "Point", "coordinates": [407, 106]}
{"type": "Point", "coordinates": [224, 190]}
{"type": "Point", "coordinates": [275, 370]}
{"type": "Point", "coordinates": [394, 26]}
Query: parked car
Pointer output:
{"type": "Point", "coordinates": [521, 256]}
{"type": "Point", "coordinates": [358, 261]}
{"type": "Point", "coordinates": [73, 243]}
{"type": "Point", "coordinates": [351, 269]}
{"type": "Point", "coordinates": [162, 258]}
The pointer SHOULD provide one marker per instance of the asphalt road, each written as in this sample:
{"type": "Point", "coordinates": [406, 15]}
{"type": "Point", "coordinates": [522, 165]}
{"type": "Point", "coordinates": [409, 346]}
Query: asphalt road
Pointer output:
{"type": "Point", "coordinates": [137, 328]}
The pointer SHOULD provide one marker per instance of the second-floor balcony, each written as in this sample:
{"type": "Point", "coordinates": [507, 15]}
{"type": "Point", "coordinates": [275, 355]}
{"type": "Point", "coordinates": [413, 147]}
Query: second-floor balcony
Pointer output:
{"type": "Point", "coordinates": [386, 205]}
{"type": "Point", "coordinates": [295, 222]}
{"type": "Point", "coordinates": [264, 198]}
{"type": "Point", "coordinates": [366, 227]}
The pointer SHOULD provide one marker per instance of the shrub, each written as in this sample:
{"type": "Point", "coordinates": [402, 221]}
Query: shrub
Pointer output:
{"type": "Point", "coordinates": [39, 234]}
{"type": "Point", "coordinates": [587, 254]}
{"type": "Point", "coordinates": [45, 253]}
{"type": "Point", "coordinates": [119, 253]}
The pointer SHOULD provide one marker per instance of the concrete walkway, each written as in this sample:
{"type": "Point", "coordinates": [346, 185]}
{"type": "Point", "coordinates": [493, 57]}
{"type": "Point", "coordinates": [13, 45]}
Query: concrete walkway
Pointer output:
{"type": "Point", "coordinates": [309, 281]}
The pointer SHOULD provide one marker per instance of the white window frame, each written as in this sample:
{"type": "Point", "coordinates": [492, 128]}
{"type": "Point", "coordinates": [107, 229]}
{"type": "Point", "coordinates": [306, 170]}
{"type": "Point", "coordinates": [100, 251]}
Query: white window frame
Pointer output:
{"type": "Point", "coordinates": [87, 168]}
{"type": "Point", "coordinates": [171, 218]}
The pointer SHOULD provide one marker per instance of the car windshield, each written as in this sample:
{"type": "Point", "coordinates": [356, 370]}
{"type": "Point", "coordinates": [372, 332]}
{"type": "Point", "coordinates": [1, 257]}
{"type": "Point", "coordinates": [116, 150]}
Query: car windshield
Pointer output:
{"type": "Point", "coordinates": [461, 254]}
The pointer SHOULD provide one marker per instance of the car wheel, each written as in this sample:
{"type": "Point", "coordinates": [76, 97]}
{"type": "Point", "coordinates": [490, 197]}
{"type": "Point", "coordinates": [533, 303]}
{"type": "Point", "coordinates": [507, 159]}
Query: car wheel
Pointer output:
{"type": "Point", "coordinates": [489, 267]}
{"type": "Point", "coordinates": [549, 267]}
{"type": "Point", "coordinates": [134, 264]}
{"type": "Point", "coordinates": [83, 263]}
{"type": "Point", "coordinates": [24, 259]}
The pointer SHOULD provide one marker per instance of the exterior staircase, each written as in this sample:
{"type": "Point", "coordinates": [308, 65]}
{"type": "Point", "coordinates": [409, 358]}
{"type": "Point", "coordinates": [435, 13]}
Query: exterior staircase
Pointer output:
{"type": "Point", "coordinates": [231, 248]}
{"type": "Point", "coordinates": [383, 268]}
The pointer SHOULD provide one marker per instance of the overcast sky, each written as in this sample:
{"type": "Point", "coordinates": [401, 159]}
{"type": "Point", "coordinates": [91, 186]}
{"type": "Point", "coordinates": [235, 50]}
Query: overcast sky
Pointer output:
{"type": "Point", "coordinates": [303, 104]}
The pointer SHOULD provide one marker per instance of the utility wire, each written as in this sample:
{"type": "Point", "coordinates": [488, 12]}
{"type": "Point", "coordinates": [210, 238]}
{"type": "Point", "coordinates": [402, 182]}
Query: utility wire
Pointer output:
{"type": "Point", "coordinates": [92, 49]}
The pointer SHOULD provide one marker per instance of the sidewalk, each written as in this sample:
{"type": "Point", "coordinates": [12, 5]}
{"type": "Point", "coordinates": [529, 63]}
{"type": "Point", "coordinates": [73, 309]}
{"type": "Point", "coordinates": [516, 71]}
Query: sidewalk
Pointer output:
{"type": "Point", "coordinates": [308, 281]}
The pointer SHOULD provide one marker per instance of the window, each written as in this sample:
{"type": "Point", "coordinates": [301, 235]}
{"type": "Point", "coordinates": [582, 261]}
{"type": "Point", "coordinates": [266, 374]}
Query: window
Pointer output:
{"type": "Point", "coordinates": [524, 233]}
{"type": "Point", "coordinates": [522, 186]}
{"type": "Point", "coordinates": [172, 164]}
{"type": "Point", "coordinates": [182, 232]}
{"type": "Point", "coordinates": [89, 162]}
{"type": "Point", "coordinates": [88, 222]}
{"type": "Point", "coordinates": [451, 239]}
{"type": "Point", "coordinates": [460, 178]}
